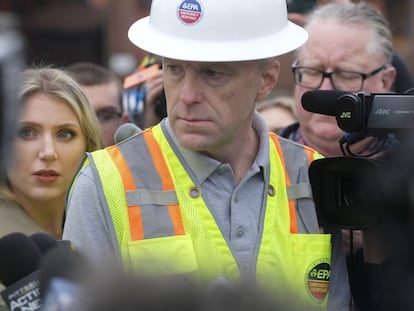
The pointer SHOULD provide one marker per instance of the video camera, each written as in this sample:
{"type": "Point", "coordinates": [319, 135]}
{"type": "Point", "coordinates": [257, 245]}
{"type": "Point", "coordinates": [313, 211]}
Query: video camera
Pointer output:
{"type": "Point", "coordinates": [354, 191]}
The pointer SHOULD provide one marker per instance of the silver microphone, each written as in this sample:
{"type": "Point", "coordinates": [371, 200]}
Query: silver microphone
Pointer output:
{"type": "Point", "coordinates": [125, 131]}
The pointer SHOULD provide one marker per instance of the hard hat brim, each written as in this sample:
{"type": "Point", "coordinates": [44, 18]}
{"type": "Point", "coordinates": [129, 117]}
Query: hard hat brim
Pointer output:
{"type": "Point", "coordinates": [146, 37]}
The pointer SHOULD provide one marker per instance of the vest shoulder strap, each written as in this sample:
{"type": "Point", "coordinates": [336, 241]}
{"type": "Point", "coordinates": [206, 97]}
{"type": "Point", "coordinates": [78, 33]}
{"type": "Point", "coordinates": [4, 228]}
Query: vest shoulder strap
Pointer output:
{"type": "Point", "coordinates": [297, 159]}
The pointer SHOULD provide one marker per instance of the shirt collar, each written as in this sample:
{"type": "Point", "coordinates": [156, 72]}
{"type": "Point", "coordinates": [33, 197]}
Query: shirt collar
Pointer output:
{"type": "Point", "coordinates": [203, 166]}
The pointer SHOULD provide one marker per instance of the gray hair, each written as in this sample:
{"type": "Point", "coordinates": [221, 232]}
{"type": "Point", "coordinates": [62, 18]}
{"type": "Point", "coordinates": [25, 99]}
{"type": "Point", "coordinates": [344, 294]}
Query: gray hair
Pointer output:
{"type": "Point", "coordinates": [359, 14]}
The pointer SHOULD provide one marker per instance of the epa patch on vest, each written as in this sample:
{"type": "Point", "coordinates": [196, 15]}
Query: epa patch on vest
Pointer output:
{"type": "Point", "coordinates": [317, 279]}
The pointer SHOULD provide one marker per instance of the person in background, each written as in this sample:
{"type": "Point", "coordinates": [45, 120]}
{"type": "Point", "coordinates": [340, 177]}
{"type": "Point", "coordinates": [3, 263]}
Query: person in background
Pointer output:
{"type": "Point", "coordinates": [347, 63]}
{"type": "Point", "coordinates": [103, 89]}
{"type": "Point", "coordinates": [360, 59]}
{"type": "Point", "coordinates": [209, 192]}
{"type": "Point", "coordinates": [55, 127]}
{"type": "Point", "coordinates": [144, 95]}
{"type": "Point", "coordinates": [404, 79]}
{"type": "Point", "coordinates": [278, 111]}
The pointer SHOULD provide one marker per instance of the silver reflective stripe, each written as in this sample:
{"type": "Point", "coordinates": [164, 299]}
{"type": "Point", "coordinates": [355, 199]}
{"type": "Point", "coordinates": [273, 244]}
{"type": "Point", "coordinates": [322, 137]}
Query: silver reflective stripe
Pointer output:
{"type": "Point", "coordinates": [156, 220]}
{"type": "Point", "coordinates": [143, 196]}
{"type": "Point", "coordinates": [298, 191]}
{"type": "Point", "coordinates": [140, 163]}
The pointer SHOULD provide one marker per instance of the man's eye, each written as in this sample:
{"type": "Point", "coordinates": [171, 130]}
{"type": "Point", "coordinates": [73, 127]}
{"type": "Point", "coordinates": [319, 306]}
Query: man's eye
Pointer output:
{"type": "Point", "coordinates": [107, 116]}
{"type": "Point", "coordinates": [212, 74]}
{"type": "Point", "coordinates": [173, 69]}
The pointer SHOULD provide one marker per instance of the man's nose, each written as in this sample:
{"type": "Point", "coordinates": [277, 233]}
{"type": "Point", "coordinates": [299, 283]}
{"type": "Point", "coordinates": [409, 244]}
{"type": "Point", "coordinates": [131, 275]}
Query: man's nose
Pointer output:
{"type": "Point", "coordinates": [327, 84]}
{"type": "Point", "coordinates": [190, 90]}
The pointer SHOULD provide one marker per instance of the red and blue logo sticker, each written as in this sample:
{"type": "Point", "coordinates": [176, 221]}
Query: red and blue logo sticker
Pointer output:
{"type": "Point", "coordinates": [317, 279]}
{"type": "Point", "coordinates": [190, 12]}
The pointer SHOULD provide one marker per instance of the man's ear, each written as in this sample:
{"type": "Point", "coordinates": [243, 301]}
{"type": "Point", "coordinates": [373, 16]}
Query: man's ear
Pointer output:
{"type": "Point", "coordinates": [388, 77]}
{"type": "Point", "coordinates": [269, 76]}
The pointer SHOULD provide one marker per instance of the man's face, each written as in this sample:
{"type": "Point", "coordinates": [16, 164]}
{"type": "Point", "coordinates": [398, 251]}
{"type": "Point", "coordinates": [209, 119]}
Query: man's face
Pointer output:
{"type": "Point", "coordinates": [104, 99]}
{"type": "Point", "coordinates": [332, 46]}
{"type": "Point", "coordinates": [210, 105]}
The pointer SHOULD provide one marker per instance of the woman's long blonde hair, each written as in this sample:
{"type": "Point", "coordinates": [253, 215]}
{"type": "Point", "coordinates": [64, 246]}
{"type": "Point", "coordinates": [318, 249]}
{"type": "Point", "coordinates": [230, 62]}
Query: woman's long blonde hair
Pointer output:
{"type": "Point", "coordinates": [57, 84]}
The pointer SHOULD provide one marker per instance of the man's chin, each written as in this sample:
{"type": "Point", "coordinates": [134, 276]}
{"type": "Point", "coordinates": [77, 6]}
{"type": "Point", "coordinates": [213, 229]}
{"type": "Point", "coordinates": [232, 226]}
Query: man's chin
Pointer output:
{"type": "Point", "coordinates": [191, 142]}
{"type": "Point", "coordinates": [331, 133]}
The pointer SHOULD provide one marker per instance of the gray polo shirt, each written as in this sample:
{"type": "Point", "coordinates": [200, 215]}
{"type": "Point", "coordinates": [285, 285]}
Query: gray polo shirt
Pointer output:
{"type": "Point", "coordinates": [237, 208]}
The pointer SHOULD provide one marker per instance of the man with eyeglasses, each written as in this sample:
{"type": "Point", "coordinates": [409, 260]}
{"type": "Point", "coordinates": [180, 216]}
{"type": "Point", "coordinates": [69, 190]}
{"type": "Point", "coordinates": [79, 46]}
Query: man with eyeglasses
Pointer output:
{"type": "Point", "coordinates": [103, 89]}
{"type": "Point", "coordinates": [349, 49]}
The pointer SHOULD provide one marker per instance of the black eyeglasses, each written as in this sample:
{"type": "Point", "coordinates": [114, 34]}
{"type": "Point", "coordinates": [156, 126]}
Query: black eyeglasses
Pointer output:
{"type": "Point", "coordinates": [343, 80]}
{"type": "Point", "coordinates": [108, 116]}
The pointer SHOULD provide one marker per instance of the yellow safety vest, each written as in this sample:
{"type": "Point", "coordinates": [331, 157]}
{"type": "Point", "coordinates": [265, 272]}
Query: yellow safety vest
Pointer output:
{"type": "Point", "coordinates": [163, 224]}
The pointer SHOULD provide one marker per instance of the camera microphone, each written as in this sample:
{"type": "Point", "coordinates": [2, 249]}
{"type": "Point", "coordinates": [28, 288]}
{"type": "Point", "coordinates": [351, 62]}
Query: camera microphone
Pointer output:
{"type": "Point", "coordinates": [363, 112]}
{"type": "Point", "coordinates": [321, 101]}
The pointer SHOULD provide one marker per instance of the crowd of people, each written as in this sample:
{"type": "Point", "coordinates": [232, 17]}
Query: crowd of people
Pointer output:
{"type": "Point", "coordinates": [212, 201]}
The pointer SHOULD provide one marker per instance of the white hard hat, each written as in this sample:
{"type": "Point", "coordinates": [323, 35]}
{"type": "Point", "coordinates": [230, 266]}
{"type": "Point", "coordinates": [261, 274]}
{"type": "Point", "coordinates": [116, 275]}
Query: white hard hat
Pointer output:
{"type": "Point", "coordinates": [217, 30]}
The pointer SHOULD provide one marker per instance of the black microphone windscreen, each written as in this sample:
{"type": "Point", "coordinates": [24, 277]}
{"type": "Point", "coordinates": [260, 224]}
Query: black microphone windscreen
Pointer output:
{"type": "Point", "coordinates": [321, 101]}
{"type": "Point", "coordinates": [63, 263]}
{"type": "Point", "coordinates": [125, 131]}
{"type": "Point", "coordinates": [19, 256]}
{"type": "Point", "coordinates": [44, 241]}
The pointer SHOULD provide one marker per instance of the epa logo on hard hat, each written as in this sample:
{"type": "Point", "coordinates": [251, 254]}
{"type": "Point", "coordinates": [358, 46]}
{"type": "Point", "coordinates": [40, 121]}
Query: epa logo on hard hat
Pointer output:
{"type": "Point", "coordinates": [190, 12]}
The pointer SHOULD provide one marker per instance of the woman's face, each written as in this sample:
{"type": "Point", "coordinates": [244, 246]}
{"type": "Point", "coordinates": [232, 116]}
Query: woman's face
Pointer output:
{"type": "Point", "coordinates": [47, 150]}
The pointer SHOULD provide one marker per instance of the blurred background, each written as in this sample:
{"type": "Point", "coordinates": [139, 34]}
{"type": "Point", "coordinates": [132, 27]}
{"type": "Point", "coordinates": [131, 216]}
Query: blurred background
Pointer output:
{"type": "Point", "coordinates": [65, 31]}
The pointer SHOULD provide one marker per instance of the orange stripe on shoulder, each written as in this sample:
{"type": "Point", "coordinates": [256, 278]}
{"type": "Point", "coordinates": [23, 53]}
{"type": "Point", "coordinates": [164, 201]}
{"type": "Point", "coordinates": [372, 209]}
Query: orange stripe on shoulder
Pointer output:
{"type": "Point", "coordinates": [134, 212]}
{"type": "Point", "coordinates": [166, 179]}
{"type": "Point", "coordinates": [292, 208]}
{"type": "Point", "coordinates": [121, 164]}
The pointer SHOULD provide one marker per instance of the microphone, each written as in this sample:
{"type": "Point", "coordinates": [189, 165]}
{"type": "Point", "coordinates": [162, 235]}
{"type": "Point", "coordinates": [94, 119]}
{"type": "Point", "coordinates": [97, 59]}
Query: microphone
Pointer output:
{"type": "Point", "coordinates": [45, 242]}
{"type": "Point", "coordinates": [125, 131]}
{"type": "Point", "coordinates": [63, 274]}
{"type": "Point", "coordinates": [19, 260]}
{"type": "Point", "coordinates": [321, 101]}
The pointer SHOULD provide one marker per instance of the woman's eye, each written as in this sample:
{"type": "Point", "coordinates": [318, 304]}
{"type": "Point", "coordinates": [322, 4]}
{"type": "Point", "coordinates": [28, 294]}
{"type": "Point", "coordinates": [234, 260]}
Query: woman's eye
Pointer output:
{"type": "Point", "coordinates": [25, 133]}
{"type": "Point", "coordinates": [66, 134]}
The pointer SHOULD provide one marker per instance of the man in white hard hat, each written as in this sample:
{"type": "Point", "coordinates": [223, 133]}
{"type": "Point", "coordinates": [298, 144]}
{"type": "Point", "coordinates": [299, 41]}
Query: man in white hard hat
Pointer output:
{"type": "Point", "coordinates": [209, 192]}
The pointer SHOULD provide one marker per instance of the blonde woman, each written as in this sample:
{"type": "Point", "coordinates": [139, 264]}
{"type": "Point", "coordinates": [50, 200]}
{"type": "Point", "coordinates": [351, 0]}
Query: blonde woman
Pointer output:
{"type": "Point", "coordinates": [55, 127]}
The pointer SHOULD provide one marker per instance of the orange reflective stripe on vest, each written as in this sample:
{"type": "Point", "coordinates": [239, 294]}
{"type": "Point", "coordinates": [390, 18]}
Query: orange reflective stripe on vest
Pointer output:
{"type": "Point", "coordinates": [167, 182]}
{"type": "Point", "coordinates": [135, 216]}
{"type": "Point", "coordinates": [134, 212]}
{"type": "Point", "coordinates": [292, 208]}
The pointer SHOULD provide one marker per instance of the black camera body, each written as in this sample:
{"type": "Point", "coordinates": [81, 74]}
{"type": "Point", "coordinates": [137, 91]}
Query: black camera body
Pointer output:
{"type": "Point", "coordinates": [344, 190]}
{"type": "Point", "coordinates": [356, 192]}
{"type": "Point", "coordinates": [374, 113]}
